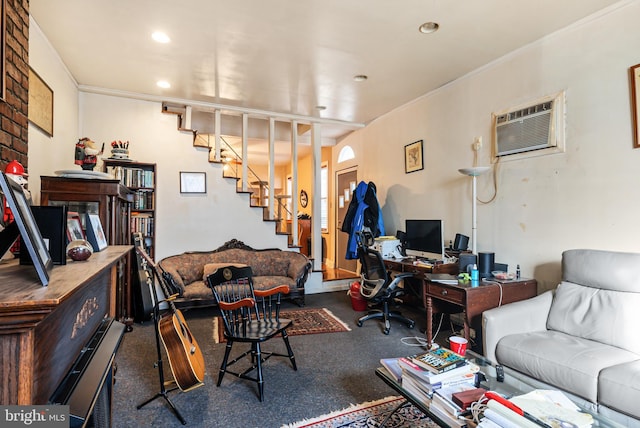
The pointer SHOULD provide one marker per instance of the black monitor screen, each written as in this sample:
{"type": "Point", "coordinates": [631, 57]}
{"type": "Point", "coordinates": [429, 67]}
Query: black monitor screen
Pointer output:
{"type": "Point", "coordinates": [425, 238]}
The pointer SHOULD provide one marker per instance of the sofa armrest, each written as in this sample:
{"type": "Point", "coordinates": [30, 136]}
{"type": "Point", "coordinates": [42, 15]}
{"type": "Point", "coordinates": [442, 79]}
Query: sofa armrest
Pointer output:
{"type": "Point", "coordinates": [173, 280]}
{"type": "Point", "coordinates": [518, 317]}
{"type": "Point", "coordinates": [299, 267]}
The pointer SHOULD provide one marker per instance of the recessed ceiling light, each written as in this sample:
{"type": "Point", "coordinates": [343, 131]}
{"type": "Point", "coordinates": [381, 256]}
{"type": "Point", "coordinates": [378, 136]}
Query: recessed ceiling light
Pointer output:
{"type": "Point", "coordinates": [163, 84]}
{"type": "Point", "coordinates": [360, 77]}
{"type": "Point", "coordinates": [160, 37]}
{"type": "Point", "coordinates": [429, 27]}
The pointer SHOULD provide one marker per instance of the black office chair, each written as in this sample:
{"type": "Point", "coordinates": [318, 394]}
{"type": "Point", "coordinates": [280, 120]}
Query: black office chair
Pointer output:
{"type": "Point", "coordinates": [377, 286]}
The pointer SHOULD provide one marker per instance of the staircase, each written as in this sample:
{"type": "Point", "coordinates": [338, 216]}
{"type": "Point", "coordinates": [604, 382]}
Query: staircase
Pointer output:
{"type": "Point", "coordinates": [256, 187]}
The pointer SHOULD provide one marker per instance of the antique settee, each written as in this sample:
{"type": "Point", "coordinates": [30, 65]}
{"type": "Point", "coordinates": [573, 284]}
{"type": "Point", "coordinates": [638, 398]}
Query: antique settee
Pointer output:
{"type": "Point", "coordinates": [580, 338]}
{"type": "Point", "coordinates": [186, 273]}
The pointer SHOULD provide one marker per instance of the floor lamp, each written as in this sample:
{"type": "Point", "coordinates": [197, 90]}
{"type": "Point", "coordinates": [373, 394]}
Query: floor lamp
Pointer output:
{"type": "Point", "coordinates": [473, 173]}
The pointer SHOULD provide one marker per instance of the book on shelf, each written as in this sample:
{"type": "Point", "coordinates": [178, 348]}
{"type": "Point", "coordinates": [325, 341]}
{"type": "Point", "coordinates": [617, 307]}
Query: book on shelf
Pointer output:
{"type": "Point", "coordinates": [439, 360]}
{"type": "Point", "coordinates": [392, 366]}
{"type": "Point", "coordinates": [407, 364]}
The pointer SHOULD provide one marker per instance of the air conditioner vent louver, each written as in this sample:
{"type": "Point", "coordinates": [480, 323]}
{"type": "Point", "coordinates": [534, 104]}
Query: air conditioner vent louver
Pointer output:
{"type": "Point", "coordinates": [526, 129]}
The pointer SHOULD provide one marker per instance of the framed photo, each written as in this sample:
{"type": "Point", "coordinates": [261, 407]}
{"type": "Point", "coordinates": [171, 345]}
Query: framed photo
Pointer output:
{"type": "Point", "coordinates": [74, 227]}
{"type": "Point", "coordinates": [413, 157]}
{"type": "Point", "coordinates": [3, 40]}
{"type": "Point", "coordinates": [95, 234]}
{"type": "Point", "coordinates": [40, 103]}
{"type": "Point", "coordinates": [193, 182]}
{"type": "Point", "coordinates": [634, 75]}
{"type": "Point", "coordinates": [31, 237]}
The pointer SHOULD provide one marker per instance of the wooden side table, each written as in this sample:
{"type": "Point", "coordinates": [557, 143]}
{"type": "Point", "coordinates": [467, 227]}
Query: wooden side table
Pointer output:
{"type": "Point", "coordinates": [472, 301]}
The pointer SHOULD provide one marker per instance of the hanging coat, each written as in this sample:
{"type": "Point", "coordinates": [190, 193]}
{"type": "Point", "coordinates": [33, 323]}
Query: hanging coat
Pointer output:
{"type": "Point", "coordinates": [363, 211]}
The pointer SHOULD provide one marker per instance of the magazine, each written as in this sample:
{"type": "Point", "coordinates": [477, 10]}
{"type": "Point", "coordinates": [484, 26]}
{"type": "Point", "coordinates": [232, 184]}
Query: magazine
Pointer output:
{"type": "Point", "coordinates": [439, 360]}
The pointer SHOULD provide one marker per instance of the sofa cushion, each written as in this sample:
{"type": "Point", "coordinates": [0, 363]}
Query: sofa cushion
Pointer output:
{"type": "Point", "coordinates": [595, 314]}
{"type": "Point", "coordinates": [270, 264]}
{"type": "Point", "coordinates": [619, 388]}
{"type": "Point", "coordinates": [210, 268]}
{"type": "Point", "coordinates": [609, 270]}
{"type": "Point", "coordinates": [270, 281]}
{"type": "Point", "coordinates": [571, 363]}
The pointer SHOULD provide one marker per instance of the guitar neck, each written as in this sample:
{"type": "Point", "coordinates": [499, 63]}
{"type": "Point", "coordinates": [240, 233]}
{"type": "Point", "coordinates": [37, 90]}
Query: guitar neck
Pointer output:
{"type": "Point", "coordinates": [155, 271]}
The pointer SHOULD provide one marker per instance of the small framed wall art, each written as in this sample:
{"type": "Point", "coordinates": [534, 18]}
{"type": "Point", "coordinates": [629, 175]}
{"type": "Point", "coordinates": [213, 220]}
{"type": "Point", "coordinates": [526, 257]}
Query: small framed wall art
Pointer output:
{"type": "Point", "coordinates": [193, 182]}
{"type": "Point", "coordinates": [634, 77]}
{"type": "Point", "coordinates": [413, 160]}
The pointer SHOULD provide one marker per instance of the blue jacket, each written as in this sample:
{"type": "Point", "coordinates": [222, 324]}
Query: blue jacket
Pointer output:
{"type": "Point", "coordinates": [363, 211]}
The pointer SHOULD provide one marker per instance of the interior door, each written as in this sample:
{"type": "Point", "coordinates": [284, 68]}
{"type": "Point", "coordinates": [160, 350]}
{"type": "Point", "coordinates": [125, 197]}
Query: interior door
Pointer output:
{"type": "Point", "coordinates": [346, 184]}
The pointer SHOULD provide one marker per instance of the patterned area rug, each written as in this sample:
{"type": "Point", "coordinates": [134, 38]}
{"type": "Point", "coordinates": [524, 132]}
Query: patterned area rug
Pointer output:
{"type": "Point", "coordinates": [305, 321]}
{"type": "Point", "coordinates": [370, 415]}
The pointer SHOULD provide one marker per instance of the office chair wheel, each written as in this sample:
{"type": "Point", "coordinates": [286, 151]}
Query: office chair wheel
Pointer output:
{"type": "Point", "coordinates": [387, 327]}
{"type": "Point", "coordinates": [359, 323]}
{"type": "Point", "coordinates": [411, 325]}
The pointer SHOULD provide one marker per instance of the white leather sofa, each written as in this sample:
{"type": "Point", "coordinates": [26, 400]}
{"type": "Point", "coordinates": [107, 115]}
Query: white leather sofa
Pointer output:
{"type": "Point", "coordinates": [582, 338]}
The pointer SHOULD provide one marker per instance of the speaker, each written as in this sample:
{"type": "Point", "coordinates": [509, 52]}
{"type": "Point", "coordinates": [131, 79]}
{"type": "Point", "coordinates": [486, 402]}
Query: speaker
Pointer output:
{"type": "Point", "coordinates": [460, 243]}
{"type": "Point", "coordinates": [466, 259]}
{"type": "Point", "coordinates": [402, 237]}
{"type": "Point", "coordinates": [485, 264]}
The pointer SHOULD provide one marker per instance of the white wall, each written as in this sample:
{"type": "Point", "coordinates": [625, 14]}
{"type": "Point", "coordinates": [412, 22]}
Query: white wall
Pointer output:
{"type": "Point", "coordinates": [588, 197]}
{"type": "Point", "coordinates": [185, 222]}
{"type": "Point", "coordinates": [49, 154]}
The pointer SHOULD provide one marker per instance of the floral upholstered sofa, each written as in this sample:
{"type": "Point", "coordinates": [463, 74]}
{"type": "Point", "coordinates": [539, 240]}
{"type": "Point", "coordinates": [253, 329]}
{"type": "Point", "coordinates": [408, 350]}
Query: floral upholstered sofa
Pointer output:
{"type": "Point", "coordinates": [186, 273]}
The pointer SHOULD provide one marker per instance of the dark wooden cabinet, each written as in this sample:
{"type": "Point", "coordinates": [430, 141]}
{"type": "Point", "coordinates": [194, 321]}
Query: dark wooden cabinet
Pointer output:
{"type": "Point", "coordinates": [43, 329]}
{"type": "Point", "coordinates": [112, 202]}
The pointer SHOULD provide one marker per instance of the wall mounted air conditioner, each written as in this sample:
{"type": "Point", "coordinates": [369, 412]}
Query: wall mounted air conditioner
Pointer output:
{"type": "Point", "coordinates": [538, 126]}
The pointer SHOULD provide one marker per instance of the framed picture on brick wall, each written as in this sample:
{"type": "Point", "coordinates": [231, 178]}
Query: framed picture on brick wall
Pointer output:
{"type": "Point", "coordinates": [3, 40]}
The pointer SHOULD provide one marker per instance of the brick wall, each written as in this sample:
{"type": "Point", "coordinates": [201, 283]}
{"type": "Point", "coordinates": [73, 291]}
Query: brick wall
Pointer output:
{"type": "Point", "coordinates": [14, 107]}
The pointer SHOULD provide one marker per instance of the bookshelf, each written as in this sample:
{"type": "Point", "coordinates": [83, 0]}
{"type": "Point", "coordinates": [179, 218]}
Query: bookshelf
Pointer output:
{"type": "Point", "coordinates": [140, 178]}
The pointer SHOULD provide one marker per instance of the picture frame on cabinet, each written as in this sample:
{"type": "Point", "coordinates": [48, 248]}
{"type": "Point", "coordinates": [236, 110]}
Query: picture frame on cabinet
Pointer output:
{"type": "Point", "coordinates": [95, 233]}
{"type": "Point", "coordinates": [634, 80]}
{"type": "Point", "coordinates": [74, 227]}
{"type": "Point", "coordinates": [29, 232]}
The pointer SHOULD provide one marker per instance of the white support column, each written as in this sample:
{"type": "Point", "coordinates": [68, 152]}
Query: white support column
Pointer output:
{"type": "Point", "coordinates": [272, 177]}
{"type": "Point", "coordinates": [316, 230]}
{"type": "Point", "coordinates": [218, 141]}
{"type": "Point", "coordinates": [245, 157]}
{"type": "Point", "coordinates": [187, 117]}
{"type": "Point", "coordinates": [294, 182]}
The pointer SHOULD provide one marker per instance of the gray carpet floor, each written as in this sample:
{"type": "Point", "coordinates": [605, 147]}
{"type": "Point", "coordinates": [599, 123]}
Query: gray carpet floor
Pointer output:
{"type": "Point", "coordinates": [334, 371]}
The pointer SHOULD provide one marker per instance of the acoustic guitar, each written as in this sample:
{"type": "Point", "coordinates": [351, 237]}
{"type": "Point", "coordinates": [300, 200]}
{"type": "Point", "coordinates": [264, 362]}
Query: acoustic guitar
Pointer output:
{"type": "Point", "coordinates": [184, 354]}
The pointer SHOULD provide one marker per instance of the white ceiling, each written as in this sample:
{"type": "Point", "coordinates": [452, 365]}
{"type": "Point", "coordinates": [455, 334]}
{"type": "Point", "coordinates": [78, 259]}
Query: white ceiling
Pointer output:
{"type": "Point", "coordinates": [288, 56]}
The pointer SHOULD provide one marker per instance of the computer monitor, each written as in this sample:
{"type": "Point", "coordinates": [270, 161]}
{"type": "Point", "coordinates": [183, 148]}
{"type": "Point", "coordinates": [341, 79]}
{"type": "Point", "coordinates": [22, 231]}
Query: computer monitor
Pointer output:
{"type": "Point", "coordinates": [425, 238]}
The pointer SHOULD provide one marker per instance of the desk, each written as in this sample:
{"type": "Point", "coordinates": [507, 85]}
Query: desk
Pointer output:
{"type": "Point", "coordinates": [456, 298]}
{"type": "Point", "coordinates": [449, 298]}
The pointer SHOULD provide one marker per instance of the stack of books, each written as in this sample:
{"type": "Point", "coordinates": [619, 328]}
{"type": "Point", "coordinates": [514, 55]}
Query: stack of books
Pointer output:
{"type": "Point", "coordinates": [433, 377]}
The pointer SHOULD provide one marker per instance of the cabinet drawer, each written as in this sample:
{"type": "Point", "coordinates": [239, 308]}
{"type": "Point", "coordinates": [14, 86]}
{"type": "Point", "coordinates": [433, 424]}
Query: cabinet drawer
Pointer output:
{"type": "Point", "coordinates": [441, 291]}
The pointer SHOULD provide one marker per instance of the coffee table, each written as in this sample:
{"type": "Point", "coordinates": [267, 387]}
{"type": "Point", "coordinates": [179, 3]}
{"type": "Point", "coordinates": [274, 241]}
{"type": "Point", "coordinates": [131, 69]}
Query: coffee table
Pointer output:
{"type": "Point", "coordinates": [507, 388]}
